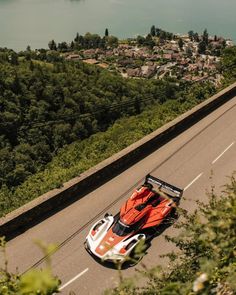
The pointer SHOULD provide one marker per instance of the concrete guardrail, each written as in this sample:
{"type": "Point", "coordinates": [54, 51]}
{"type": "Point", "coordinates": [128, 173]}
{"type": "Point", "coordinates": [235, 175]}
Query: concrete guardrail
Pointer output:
{"type": "Point", "coordinates": [53, 201]}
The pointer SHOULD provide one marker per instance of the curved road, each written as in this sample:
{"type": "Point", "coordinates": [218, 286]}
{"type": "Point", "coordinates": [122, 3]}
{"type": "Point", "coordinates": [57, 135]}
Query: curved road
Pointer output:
{"type": "Point", "coordinates": [199, 158]}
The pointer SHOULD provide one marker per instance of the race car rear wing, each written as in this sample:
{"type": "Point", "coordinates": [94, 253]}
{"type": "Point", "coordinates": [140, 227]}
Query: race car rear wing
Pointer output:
{"type": "Point", "coordinates": [178, 192]}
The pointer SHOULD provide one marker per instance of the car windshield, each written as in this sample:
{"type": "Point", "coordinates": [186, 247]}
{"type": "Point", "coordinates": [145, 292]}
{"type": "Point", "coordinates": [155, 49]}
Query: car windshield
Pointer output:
{"type": "Point", "coordinates": [122, 229]}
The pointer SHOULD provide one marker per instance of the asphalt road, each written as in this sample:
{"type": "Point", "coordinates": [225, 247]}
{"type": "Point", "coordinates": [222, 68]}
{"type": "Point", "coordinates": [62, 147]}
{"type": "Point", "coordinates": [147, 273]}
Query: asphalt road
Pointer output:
{"type": "Point", "coordinates": [197, 160]}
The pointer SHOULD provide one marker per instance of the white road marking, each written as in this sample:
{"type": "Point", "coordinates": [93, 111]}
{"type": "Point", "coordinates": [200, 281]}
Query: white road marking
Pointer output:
{"type": "Point", "coordinates": [73, 279]}
{"type": "Point", "coordinates": [223, 152]}
{"type": "Point", "coordinates": [195, 179]}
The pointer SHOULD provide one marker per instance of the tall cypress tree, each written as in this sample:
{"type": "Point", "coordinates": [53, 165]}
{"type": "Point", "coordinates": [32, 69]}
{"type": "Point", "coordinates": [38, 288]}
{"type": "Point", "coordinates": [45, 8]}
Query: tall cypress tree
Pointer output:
{"type": "Point", "coordinates": [205, 37]}
{"type": "Point", "coordinates": [153, 31]}
{"type": "Point", "coordinates": [106, 32]}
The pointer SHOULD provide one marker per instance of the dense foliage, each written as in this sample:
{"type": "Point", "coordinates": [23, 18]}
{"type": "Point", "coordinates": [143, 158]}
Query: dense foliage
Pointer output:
{"type": "Point", "coordinates": [87, 41]}
{"type": "Point", "coordinates": [206, 260]}
{"type": "Point", "coordinates": [44, 106]}
{"type": "Point", "coordinates": [35, 281]}
{"type": "Point", "coordinates": [229, 65]}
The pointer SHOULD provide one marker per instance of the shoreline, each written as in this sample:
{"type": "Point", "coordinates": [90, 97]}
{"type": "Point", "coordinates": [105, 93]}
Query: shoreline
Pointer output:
{"type": "Point", "coordinates": [122, 37]}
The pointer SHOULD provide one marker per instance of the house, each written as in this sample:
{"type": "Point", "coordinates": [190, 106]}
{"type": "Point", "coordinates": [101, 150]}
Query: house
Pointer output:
{"type": "Point", "coordinates": [99, 51]}
{"type": "Point", "coordinates": [167, 56]}
{"type": "Point", "coordinates": [91, 61]}
{"type": "Point", "coordinates": [134, 72]}
{"type": "Point", "coordinates": [109, 53]}
{"type": "Point", "coordinates": [148, 71]}
{"type": "Point", "coordinates": [124, 46]}
{"type": "Point", "coordinates": [125, 62]}
{"type": "Point", "coordinates": [176, 56]}
{"type": "Point", "coordinates": [229, 43]}
{"type": "Point", "coordinates": [192, 67]}
{"type": "Point", "coordinates": [168, 51]}
{"type": "Point", "coordinates": [129, 53]}
{"type": "Point", "coordinates": [103, 65]}
{"type": "Point", "coordinates": [73, 57]}
{"type": "Point", "coordinates": [89, 52]}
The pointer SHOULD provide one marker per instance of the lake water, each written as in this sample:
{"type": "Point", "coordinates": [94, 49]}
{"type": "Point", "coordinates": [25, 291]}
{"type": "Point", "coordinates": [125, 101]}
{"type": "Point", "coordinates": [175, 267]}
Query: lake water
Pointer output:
{"type": "Point", "coordinates": [35, 22]}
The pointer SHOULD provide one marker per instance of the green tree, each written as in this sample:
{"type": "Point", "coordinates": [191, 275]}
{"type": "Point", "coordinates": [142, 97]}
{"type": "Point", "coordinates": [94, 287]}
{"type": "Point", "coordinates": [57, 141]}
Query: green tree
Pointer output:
{"type": "Point", "coordinates": [13, 58]}
{"type": "Point", "coordinates": [72, 45]}
{"type": "Point", "coordinates": [112, 41]}
{"type": "Point", "coordinates": [140, 40]}
{"type": "Point", "coordinates": [76, 37]}
{"type": "Point", "coordinates": [202, 47]}
{"type": "Point", "coordinates": [228, 64]}
{"type": "Point", "coordinates": [153, 31]}
{"type": "Point", "coordinates": [63, 46]}
{"type": "Point", "coordinates": [158, 32]}
{"type": "Point", "coordinates": [149, 41]}
{"type": "Point", "coordinates": [106, 33]}
{"type": "Point", "coordinates": [191, 35]}
{"type": "Point", "coordinates": [205, 37]}
{"type": "Point", "coordinates": [196, 37]}
{"type": "Point", "coordinates": [181, 43]}
{"type": "Point", "coordinates": [189, 52]}
{"type": "Point", "coordinates": [52, 45]}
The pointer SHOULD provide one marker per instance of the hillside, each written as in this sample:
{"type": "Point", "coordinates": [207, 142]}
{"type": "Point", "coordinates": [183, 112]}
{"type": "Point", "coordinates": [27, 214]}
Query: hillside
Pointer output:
{"type": "Point", "coordinates": [50, 108]}
{"type": "Point", "coordinates": [48, 103]}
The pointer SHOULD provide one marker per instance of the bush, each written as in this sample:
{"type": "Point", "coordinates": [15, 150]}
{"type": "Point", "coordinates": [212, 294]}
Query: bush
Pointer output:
{"type": "Point", "coordinates": [34, 281]}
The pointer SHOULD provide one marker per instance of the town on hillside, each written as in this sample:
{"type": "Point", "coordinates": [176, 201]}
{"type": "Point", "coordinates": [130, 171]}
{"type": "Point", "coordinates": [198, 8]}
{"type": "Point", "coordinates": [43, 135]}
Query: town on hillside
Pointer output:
{"type": "Point", "coordinates": [158, 55]}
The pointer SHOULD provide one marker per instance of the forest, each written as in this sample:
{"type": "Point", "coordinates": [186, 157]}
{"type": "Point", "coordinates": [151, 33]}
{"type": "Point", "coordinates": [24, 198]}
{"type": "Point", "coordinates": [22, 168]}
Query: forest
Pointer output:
{"type": "Point", "coordinates": [59, 118]}
{"type": "Point", "coordinates": [45, 106]}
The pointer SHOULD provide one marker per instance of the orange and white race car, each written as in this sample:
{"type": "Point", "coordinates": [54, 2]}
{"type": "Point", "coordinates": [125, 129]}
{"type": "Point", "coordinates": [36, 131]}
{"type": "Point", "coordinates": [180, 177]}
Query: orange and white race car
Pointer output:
{"type": "Point", "coordinates": [114, 238]}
